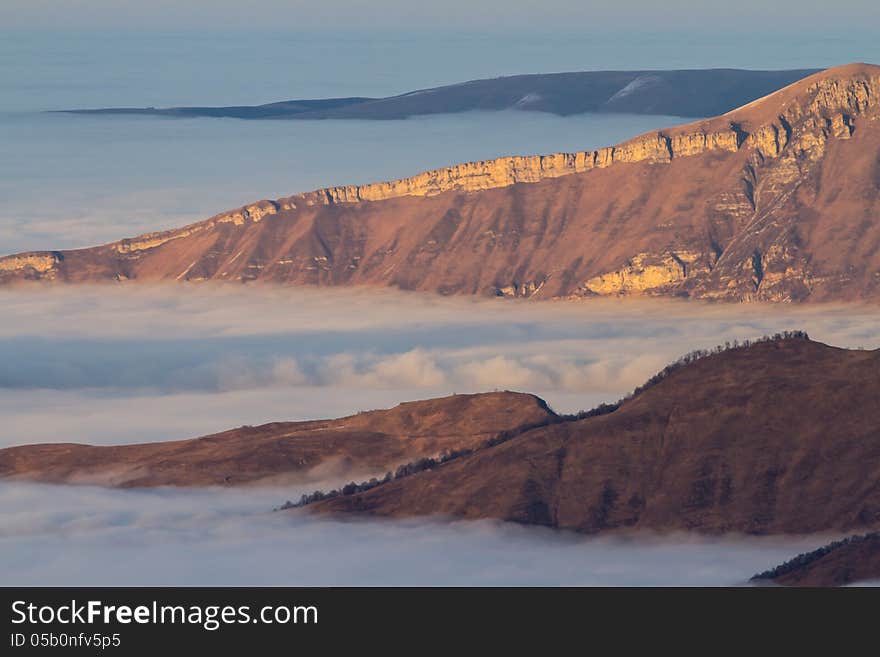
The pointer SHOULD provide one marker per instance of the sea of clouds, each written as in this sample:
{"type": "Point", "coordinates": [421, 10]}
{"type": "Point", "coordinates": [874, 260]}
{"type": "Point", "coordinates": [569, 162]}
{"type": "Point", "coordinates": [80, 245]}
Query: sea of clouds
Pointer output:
{"type": "Point", "coordinates": [119, 364]}
{"type": "Point", "coordinates": [53, 535]}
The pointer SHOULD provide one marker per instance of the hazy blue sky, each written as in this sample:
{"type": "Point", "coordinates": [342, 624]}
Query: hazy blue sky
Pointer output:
{"type": "Point", "coordinates": [459, 14]}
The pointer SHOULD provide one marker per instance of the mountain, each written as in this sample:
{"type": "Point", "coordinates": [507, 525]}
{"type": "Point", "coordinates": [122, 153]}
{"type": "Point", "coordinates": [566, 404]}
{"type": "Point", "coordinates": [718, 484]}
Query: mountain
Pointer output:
{"type": "Point", "coordinates": [854, 559]}
{"type": "Point", "coordinates": [776, 201]}
{"type": "Point", "coordinates": [678, 93]}
{"type": "Point", "coordinates": [778, 437]}
{"type": "Point", "coordinates": [365, 443]}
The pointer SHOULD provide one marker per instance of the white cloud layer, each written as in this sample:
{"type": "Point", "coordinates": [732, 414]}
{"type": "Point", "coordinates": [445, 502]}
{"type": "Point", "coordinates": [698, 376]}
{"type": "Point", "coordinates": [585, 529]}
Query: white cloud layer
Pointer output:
{"type": "Point", "coordinates": [123, 364]}
{"type": "Point", "coordinates": [90, 536]}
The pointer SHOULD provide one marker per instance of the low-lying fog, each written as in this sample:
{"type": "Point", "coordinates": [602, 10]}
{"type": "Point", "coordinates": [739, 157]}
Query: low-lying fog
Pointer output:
{"type": "Point", "coordinates": [91, 536]}
{"type": "Point", "coordinates": [122, 364]}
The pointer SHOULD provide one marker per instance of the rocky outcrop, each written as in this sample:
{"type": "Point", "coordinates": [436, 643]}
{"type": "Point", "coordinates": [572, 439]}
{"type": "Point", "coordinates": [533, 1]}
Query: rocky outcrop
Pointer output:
{"type": "Point", "coordinates": [703, 92]}
{"type": "Point", "coordinates": [777, 201]}
{"type": "Point", "coordinates": [247, 214]}
{"type": "Point", "coordinates": [37, 263]}
{"type": "Point", "coordinates": [644, 272]}
{"type": "Point", "coordinates": [505, 171]}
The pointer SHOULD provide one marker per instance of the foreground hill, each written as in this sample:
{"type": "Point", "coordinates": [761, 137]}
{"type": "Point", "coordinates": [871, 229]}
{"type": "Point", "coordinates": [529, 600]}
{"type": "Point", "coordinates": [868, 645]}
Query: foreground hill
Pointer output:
{"type": "Point", "coordinates": [358, 445]}
{"type": "Point", "coordinates": [677, 93]}
{"type": "Point", "coordinates": [776, 201]}
{"type": "Point", "coordinates": [779, 437]}
{"type": "Point", "coordinates": [852, 560]}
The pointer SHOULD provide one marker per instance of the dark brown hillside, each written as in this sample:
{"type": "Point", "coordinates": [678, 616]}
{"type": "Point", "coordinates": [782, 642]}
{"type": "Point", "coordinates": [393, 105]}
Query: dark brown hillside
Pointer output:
{"type": "Point", "coordinates": [776, 201]}
{"type": "Point", "coordinates": [361, 444]}
{"type": "Point", "coordinates": [779, 437]}
{"type": "Point", "coordinates": [852, 560]}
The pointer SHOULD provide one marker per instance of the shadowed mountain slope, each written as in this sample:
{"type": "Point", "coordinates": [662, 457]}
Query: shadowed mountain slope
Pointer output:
{"type": "Point", "coordinates": [779, 437]}
{"type": "Point", "coordinates": [676, 93]}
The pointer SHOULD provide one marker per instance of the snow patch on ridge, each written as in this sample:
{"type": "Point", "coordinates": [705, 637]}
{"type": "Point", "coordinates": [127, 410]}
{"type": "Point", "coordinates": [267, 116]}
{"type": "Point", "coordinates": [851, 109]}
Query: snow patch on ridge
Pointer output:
{"type": "Point", "coordinates": [636, 85]}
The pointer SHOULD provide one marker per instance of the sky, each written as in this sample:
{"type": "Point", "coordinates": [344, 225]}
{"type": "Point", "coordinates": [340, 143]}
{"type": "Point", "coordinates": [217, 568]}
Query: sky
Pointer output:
{"type": "Point", "coordinates": [119, 176]}
{"type": "Point", "coordinates": [567, 15]}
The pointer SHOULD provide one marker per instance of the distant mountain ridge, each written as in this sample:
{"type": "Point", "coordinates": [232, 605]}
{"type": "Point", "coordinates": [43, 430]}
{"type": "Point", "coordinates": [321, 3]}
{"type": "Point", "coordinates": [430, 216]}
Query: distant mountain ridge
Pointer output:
{"type": "Point", "coordinates": [702, 92]}
{"type": "Point", "coordinates": [775, 201]}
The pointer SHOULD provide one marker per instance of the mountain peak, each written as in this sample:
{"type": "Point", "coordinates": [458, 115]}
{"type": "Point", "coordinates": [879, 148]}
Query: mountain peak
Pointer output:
{"type": "Point", "coordinates": [847, 76]}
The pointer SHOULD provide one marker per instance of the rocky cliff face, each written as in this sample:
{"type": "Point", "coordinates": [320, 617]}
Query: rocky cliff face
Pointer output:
{"type": "Point", "coordinates": [506, 171]}
{"type": "Point", "coordinates": [776, 201]}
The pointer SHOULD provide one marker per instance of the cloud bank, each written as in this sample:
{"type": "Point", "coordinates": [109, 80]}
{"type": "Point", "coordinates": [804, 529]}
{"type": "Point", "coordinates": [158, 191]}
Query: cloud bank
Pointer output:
{"type": "Point", "coordinates": [124, 364]}
{"type": "Point", "coordinates": [90, 536]}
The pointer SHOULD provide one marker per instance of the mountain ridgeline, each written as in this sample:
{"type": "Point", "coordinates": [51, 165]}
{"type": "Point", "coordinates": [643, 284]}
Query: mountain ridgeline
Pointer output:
{"type": "Point", "coordinates": [782, 436]}
{"type": "Point", "coordinates": [775, 201]}
{"type": "Point", "coordinates": [676, 93]}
